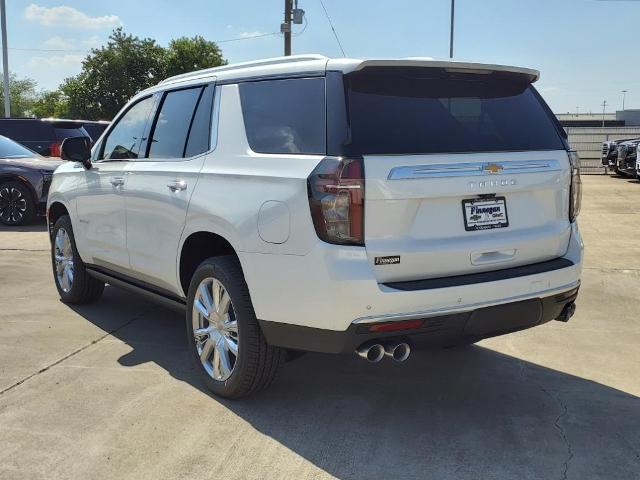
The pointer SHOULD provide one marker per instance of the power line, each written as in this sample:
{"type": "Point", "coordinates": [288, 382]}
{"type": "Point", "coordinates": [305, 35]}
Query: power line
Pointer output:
{"type": "Point", "coordinates": [335, 34]}
{"type": "Point", "coordinates": [73, 50]}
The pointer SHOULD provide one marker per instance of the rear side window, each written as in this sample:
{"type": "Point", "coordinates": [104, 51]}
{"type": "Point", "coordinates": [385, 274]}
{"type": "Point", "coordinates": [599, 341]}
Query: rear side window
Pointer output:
{"type": "Point", "coordinates": [414, 111]}
{"type": "Point", "coordinates": [169, 137]}
{"type": "Point", "coordinates": [123, 141]}
{"type": "Point", "coordinates": [285, 116]}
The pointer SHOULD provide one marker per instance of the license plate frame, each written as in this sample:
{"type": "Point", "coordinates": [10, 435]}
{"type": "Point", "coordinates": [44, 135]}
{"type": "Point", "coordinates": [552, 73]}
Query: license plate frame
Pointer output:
{"type": "Point", "coordinates": [487, 220]}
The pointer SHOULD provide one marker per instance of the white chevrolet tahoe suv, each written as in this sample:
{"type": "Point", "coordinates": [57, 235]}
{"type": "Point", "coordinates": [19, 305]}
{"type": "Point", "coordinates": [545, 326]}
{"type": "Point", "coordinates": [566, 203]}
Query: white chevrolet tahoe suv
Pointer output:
{"type": "Point", "coordinates": [329, 205]}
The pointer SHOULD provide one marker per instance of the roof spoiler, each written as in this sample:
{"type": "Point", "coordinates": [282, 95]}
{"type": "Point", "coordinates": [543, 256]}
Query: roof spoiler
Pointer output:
{"type": "Point", "coordinates": [450, 66]}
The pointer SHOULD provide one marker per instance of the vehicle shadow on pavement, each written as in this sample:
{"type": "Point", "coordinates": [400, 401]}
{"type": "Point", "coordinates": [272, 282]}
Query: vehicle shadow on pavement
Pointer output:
{"type": "Point", "coordinates": [460, 413]}
{"type": "Point", "coordinates": [39, 225]}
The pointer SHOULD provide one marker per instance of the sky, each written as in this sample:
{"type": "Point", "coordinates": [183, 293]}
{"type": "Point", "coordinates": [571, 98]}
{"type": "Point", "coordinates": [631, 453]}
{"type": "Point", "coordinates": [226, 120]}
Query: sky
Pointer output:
{"type": "Point", "coordinates": [586, 50]}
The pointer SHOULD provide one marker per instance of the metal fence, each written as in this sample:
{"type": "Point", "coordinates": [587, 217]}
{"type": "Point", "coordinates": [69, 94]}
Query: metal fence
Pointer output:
{"type": "Point", "coordinates": [587, 141]}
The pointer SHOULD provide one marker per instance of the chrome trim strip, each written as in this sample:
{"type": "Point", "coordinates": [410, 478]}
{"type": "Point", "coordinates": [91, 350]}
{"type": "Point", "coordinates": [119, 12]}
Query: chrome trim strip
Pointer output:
{"type": "Point", "coordinates": [465, 308]}
{"type": "Point", "coordinates": [473, 169]}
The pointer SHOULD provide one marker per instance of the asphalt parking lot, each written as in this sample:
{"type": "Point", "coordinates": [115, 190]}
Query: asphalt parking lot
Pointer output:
{"type": "Point", "coordinates": [107, 391]}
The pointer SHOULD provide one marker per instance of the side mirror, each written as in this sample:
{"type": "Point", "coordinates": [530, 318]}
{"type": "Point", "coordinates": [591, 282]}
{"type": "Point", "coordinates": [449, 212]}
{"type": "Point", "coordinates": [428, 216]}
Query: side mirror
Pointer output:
{"type": "Point", "coordinates": [77, 149]}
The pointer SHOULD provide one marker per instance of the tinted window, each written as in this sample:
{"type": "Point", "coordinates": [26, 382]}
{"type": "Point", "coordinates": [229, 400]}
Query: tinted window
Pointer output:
{"type": "Point", "coordinates": [200, 133]}
{"type": "Point", "coordinates": [62, 133]}
{"type": "Point", "coordinates": [95, 129]}
{"type": "Point", "coordinates": [410, 111]}
{"type": "Point", "coordinates": [169, 136]}
{"type": "Point", "coordinates": [27, 130]}
{"type": "Point", "coordinates": [123, 142]}
{"type": "Point", "coordinates": [11, 149]}
{"type": "Point", "coordinates": [285, 116]}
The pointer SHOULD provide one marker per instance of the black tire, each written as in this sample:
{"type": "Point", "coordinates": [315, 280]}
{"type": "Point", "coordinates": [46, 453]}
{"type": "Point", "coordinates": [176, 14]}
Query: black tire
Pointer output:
{"type": "Point", "coordinates": [256, 363]}
{"type": "Point", "coordinates": [83, 287]}
{"type": "Point", "coordinates": [17, 206]}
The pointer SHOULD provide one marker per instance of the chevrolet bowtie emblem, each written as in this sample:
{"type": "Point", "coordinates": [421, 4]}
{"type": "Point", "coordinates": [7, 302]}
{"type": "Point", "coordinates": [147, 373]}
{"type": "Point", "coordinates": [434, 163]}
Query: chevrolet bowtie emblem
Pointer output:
{"type": "Point", "coordinates": [492, 168]}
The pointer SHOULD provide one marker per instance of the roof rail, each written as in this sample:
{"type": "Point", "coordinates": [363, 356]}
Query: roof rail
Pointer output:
{"type": "Point", "coordinates": [236, 66]}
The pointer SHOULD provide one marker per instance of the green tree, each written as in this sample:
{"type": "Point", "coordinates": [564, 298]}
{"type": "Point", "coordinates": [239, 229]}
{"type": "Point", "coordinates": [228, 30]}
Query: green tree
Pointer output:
{"type": "Point", "coordinates": [114, 73]}
{"type": "Point", "coordinates": [51, 104]}
{"type": "Point", "coordinates": [22, 92]}
{"type": "Point", "coordinates": [189, 54]}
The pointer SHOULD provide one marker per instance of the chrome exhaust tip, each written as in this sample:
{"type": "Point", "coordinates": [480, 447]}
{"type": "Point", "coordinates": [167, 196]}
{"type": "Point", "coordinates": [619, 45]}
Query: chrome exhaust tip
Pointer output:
{"type": "Point", "coordinates": [398, 351]}
{"type": "Point", "coordinates": [372, 353]}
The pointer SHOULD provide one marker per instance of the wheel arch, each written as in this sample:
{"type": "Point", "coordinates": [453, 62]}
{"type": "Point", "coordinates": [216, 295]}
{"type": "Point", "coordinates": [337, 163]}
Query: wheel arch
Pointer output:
{"type": "Point", "coordinates": [56, 210]}
{"type": "Point", "coordinates": [197, 247]}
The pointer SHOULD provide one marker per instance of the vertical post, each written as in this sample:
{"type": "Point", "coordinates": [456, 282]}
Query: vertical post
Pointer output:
{"type": "Point", "coordinates": [453, 11]}
{"type": "Point", "coordinates": [604, 108]}
{"type": "Point", "coordinates": [624, 95]}
{"type": "Point", "coordinates": [5, 60]}
{"type": "Point", "coordinates": [287, 32]}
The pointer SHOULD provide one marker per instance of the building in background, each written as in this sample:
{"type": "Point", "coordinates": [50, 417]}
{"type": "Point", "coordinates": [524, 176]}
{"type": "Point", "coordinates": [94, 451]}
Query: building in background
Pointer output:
{"type": "Point", "coordinates": [586, 133]}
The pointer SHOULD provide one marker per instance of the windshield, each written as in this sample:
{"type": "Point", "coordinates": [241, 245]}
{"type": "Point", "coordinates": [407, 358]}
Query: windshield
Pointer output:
{"type": "Point", "coordinates": [422, 111]}
{"type": "Point", "coordinates": [11, 149]}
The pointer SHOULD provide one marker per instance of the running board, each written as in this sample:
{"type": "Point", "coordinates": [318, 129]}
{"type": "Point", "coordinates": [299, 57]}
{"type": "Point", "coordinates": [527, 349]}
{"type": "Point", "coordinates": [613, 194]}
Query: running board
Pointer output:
{"type": "Point", "coordinates": [147, 292]}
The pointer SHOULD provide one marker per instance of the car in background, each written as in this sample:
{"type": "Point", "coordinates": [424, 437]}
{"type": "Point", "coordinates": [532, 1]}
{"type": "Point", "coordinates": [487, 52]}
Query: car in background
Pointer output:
{"type": "Point", "coordinates": [25, 177]}
{"type": "Point", "coordinates": [610, 154]}
{"type": "Point", "coordinates": [44, 136]}
{"type": "Point", "coordinates": [627, 155]}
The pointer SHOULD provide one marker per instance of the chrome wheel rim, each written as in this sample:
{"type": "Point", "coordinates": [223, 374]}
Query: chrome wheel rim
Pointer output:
{"type": "Point", "coordinates": [63, 258]}
{"type": "Point", "coordinates": [215, 329]}
{"type": "Point", "coordinates": [13, 205]}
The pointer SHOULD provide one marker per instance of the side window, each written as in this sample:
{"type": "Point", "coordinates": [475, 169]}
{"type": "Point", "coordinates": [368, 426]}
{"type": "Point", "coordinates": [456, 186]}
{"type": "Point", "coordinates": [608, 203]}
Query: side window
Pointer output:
{"type": "Point", "coordinates": [285, 116]}
{"type": "Point", "coordinates": [169, 137]}
{"type": "Point", "coordinates": [123, 142]}
{"type": "Point", "coordinates": [200, 133]}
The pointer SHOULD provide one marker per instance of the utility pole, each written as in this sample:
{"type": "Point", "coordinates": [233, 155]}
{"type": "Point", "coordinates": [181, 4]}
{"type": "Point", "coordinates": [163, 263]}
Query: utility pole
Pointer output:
{"type": "Point", "coordinates": [286, 27]}
{"type": "Point", "coordinates": [453, 11]}
{"type": "Point", "coordinates": [624, 95]}
{"type": "Point", "coordinates": [604, 108]}
{"type": "Point", "coordinates": [5, 60]}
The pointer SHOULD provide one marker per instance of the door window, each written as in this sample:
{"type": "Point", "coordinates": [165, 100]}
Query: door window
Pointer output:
{"type": "Point", "coordinates": [169, 137]}
{"type": "Point", "coordinates": [123, 142]}
{"type": "Point", "coordinates": [200, 133]}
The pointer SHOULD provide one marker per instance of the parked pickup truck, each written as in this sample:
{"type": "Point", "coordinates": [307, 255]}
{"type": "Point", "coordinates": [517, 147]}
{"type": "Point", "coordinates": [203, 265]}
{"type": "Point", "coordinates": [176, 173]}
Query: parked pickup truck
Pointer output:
{"type": "Point", "coordinates": [627, 155]}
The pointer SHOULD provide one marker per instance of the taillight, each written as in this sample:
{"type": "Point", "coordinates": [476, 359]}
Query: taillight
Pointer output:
{"type": "Point", "coordinates": [575, 191]}
{"type": "Point", "coordinates": [336, 199]}
{"type": "Point", "coordinates": [54, 150]}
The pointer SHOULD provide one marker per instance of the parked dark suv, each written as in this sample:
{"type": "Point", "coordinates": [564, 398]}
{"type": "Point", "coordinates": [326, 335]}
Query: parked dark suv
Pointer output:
{"type": "Point", "coordinates": [25, 177]}
{"type": "Point", "coordinates": [44, 136]}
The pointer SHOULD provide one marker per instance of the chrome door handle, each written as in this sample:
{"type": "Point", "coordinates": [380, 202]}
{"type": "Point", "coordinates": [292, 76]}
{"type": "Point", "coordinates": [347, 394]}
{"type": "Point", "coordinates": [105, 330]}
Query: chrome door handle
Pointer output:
{"type": "Point", "coordinates": [177, 185]}
{"type": "Point", "coordinates": [117, 181]}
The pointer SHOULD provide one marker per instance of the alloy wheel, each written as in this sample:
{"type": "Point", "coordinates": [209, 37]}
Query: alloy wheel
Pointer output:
{"type": "Point", "coordinates": [63, 258]}
{"type": "Point", "coordinates": [215, 329]}
{"type": "Point", "coordinates": [13, 205]}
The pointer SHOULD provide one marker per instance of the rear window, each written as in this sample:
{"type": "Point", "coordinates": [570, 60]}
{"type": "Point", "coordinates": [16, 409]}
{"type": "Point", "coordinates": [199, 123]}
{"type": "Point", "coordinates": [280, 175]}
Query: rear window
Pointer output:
{"type": "Point", "coordinates": [11, 149]}
{"type": "Point", "coordinates": [285, 116]}
{"type": "Point", "coordinates": [420, 111]}
{"type": "Point", "coordinates": [62, 133]}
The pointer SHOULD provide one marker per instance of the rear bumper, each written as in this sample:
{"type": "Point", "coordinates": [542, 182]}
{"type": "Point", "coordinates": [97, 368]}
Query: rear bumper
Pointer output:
{"type": "Point", "coordinates": [448, 329]}
{"type": "Point", "coordinates": [333, 288]}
